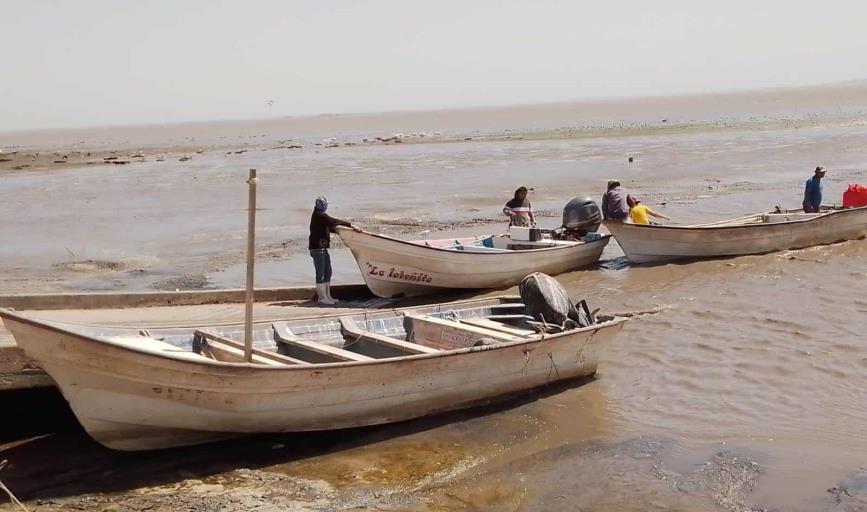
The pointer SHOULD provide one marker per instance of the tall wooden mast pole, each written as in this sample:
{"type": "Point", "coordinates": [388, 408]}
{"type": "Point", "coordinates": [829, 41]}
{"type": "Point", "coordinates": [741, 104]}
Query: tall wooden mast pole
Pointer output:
{"type": "Point", "coordinates": [251, 257]}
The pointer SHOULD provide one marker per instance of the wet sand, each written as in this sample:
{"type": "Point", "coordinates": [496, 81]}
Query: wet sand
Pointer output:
{"type": "Point", "coordinates": [745, 393]}
{"type": "Point", "coordinates": [765, 109]}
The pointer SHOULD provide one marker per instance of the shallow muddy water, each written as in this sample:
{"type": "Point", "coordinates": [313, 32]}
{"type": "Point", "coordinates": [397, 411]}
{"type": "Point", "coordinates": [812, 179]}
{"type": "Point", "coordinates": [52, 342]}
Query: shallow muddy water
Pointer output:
{"type": "Point", "coordinates": [144, 226]}
{"type": "Point", "coordinates": [747, 392]}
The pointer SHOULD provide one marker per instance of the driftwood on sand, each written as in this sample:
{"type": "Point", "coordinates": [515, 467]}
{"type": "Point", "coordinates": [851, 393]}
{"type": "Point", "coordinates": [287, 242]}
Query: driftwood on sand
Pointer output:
{"type": "Point", "coordinates": [12, 497]}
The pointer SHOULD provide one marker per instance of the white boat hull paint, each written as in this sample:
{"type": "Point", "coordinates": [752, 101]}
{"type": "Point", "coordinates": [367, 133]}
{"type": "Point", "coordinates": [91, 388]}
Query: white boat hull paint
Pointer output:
{"type": "Point", "coordinates": [130, 399]}
{"type": "Point", "coordinates": [393, 268]}
{"type": "Point", "coordinates": [650, 244]}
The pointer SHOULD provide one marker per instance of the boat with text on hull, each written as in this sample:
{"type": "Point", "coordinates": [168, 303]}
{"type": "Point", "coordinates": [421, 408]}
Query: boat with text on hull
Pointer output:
{"type": "Point", "coordinates": [393, 268]}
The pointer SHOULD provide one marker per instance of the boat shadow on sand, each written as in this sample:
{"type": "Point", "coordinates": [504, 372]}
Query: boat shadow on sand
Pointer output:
{"type": "Point", "coordinates": [50, 456]}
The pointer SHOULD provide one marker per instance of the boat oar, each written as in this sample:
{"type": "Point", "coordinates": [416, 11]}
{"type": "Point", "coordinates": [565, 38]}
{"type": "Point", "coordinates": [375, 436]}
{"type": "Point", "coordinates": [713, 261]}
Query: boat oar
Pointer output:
{"type": "Point", "coordinates": [639, 312]}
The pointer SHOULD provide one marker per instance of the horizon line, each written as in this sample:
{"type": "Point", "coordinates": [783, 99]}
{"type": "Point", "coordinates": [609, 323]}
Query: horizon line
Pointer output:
{"type": "Point", "coordinates": [596, 100]}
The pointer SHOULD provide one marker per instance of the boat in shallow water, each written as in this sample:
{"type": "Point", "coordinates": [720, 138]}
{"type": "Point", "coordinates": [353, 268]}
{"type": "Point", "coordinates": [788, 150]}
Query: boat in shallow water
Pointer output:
{"type": "Point", "coordinates": [756, 234]}
{"type": "Point", "coordinates": [140, 389]}
{"type": "Point", "coordinates": [394, 268]}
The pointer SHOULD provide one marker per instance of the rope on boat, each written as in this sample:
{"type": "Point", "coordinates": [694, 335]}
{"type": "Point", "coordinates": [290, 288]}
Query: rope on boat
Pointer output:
{"type": "Point", "coordinates": [543, 329]}
{"type": "Point", "coordinates": [360, 335]}
{"type": "Point", "coordinates": [356, 340]}
{"type": "Point", "coordinates": [6, 489]}
{"type": "Point", "coordinates": [527, 352]}
{"type": "Point", "coordinates": [640, 312]}
{"type": "Point", "coordinates": [554, 366]}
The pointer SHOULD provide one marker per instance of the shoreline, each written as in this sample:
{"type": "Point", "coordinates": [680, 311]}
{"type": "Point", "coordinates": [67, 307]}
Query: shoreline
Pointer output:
{"type": "Point", "coordinates": [827, 105]}
{"type": "Point", "coordinates": [30, 159]}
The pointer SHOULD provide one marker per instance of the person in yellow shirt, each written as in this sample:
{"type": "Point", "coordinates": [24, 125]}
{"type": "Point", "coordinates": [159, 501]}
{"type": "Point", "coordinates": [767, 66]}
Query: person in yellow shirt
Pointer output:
{"type": "Point", "coordinates": [640, 213]}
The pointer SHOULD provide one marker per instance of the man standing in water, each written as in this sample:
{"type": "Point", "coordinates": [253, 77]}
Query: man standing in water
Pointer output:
{"type": "Point", "coordinates": [813, 191]}
{"type": "Point", "coordinates": [518, 209]}
{"type": "Point", "coordinates": [614, 206]}
{"type": "Point", "coordinates": [321, 227]}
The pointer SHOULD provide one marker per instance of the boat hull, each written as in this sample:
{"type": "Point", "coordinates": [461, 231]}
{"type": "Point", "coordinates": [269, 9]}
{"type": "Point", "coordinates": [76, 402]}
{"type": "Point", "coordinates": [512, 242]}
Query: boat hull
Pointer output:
{"type": "Point", "coordinates": [133, 400]}
{"type": "Point", "coordinates": [650, 244]}
{"type": "Point", "coordinates": [393, 268]}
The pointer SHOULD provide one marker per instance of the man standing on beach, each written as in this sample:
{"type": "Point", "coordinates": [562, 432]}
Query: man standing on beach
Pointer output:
{"type": "Point", "coordinates": [614, 206]}
{"type": "Point", "coordinates": [321, 226]}
{"type": "Point", "coordinates": [813, 191]}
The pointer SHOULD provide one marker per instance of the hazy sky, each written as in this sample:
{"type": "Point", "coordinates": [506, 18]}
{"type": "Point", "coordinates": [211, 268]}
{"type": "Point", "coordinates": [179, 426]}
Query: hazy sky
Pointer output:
{"type": "Point", "coordinates": [91, 62]}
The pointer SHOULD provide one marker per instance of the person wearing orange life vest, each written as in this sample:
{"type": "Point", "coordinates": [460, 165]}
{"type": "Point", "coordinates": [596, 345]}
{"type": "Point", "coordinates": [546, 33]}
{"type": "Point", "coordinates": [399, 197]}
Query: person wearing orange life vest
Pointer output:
{"type": "Point", "coordinates": [640, 213]}
{"type": "Point", "coordinates": [519, 210]}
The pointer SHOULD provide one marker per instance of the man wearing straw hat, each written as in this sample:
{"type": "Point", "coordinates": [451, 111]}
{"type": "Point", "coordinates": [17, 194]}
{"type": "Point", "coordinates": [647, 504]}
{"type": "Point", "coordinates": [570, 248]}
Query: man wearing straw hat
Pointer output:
{"type": "Point", "coordinates": [813, 191]}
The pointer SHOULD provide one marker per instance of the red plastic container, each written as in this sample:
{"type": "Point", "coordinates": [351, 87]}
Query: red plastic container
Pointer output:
{"type": "Point", "coordinates": [855, 196]}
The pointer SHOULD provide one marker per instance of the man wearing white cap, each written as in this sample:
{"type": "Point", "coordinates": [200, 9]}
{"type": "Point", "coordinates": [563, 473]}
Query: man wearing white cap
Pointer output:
{"type": "Point", "coordinates": [813, 191]}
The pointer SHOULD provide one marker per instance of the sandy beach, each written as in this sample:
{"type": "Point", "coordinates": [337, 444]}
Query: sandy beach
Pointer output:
{"type": "Point", "coordinates": [744, 394]}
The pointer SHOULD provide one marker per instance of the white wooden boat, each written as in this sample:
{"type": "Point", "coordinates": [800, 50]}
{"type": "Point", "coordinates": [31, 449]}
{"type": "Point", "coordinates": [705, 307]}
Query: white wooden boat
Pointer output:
{"type": "Point", "coordinates": [138, 389]}
{"type": "Point", "coordinates": [755, 234]}
{"type": "Point", "coordinates": [394, 268]}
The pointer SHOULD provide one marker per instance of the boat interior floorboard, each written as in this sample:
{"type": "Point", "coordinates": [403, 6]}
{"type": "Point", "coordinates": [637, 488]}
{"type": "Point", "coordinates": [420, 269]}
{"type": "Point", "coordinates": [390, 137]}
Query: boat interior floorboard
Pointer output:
{"type": "Point", "coordinates": [222, 348]}
{"type": "Point", "coordinates": [312, 351]}
{"type": "Point", "coordinates": [494, 325]}
{"type": "Point", "coordinates": [451, 334]}
{"type": "Point", "coordinates": [355, 334]}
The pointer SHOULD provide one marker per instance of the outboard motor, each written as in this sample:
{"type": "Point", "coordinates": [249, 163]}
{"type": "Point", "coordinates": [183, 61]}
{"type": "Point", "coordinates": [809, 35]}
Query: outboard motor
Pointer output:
{"type": "Point", "coordinates": [581, 215]}
{"type": "Point", "coordinates": [547, 302]}
{"type": "Point", "coordinates": [545, 299]}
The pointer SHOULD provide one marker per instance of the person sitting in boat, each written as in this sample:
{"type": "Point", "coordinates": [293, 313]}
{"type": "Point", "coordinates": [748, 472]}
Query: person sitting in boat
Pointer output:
{"type": "Point", "coordinates": [640, 213]}
{"type": "Point", "coordinates": [518, 209]}
{"type": "Point", "coordinates": [614, 205]}
{"type": "Point", "coordinates": [813, 191]}
{"type": "Point", "coordinates": [321, 227]}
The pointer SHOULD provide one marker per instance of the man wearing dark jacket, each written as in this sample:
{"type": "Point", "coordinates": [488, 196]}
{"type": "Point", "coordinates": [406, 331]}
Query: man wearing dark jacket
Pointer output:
{"type": "Point", "coordinates": [321, 227]}
{"type": "Point", "coordinates": [614, 205]}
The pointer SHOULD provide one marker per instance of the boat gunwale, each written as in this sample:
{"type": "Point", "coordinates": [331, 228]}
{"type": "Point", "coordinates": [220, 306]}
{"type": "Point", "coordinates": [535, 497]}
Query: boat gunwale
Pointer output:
{"type": "Point", "coordinates": [711, 227]}
{"type": "Point", "coordinates": [256, 323]}
{"type": "Point", "coordinates": [42, 324]}
{"type": "Point", "coordinates": [509, 252]}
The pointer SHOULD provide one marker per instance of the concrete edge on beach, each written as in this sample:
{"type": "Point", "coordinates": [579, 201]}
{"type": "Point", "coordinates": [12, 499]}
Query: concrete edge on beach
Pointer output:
{"type": "Point", "coordinates": [114, 300]}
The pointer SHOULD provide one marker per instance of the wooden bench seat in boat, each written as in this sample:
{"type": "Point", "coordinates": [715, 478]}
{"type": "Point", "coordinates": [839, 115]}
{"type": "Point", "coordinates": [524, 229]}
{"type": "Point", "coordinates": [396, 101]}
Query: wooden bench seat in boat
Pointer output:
{"type": "Point", "coordinates": [508, 318]}
{"type": "Point", "coordinates": [476, 248]}
{"type": "Point", "coordinates": [154, 345]}
{"type": "Point", "coordinates": [510, 306]}
{"type": "Point", "coordinates": [489, 323]}
{"type": "Point", "coordinates": [505, 307]}
{"type": "Point", "coordinates": [222, 348]}
{"type": "Point", "coordinates": [516, 309]}
{"type": "Point", "coordinates": [773, 218]}
{"type": "Point", "coordinates": [314, 352]}
{"type": "Point", "coordinates": [449, 334]}
{"type": "Point", "coordinates": [350, 328]}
